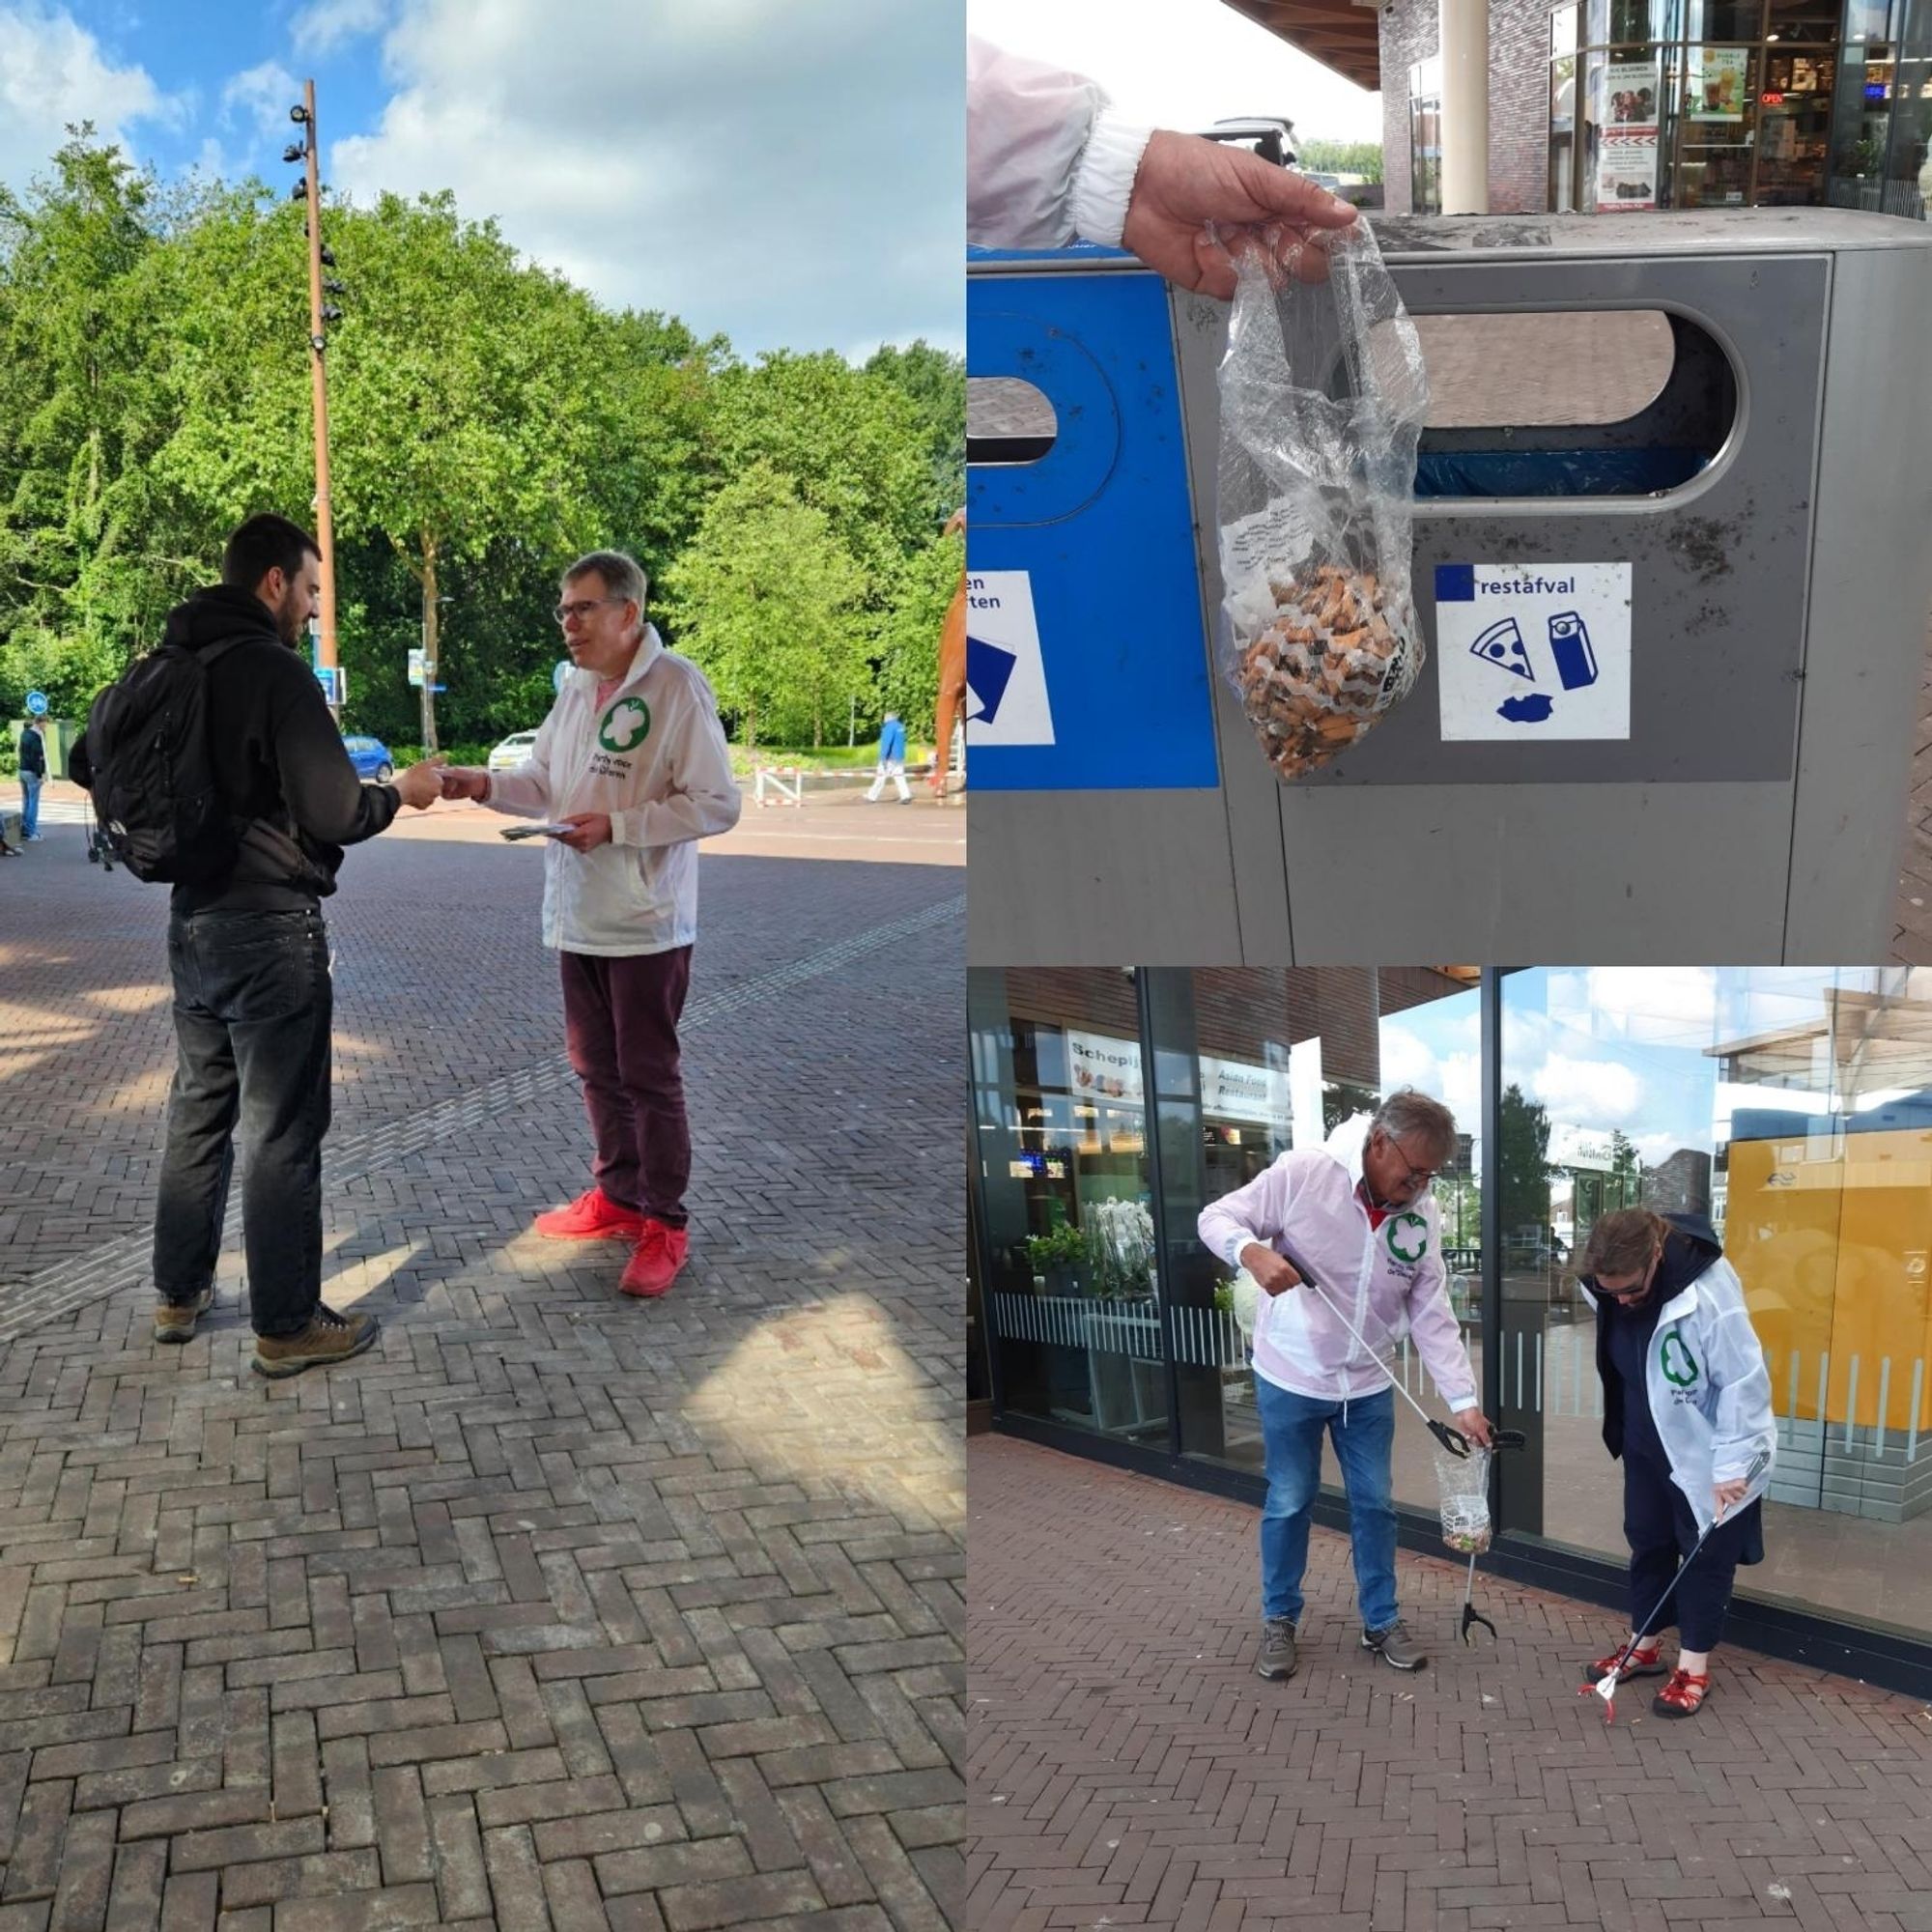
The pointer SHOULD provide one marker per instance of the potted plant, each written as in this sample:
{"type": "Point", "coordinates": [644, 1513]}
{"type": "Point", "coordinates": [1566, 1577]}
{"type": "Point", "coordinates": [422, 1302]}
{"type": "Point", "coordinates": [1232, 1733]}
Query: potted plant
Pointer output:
{"type": "Point", "coordinates": [1056, 1259]}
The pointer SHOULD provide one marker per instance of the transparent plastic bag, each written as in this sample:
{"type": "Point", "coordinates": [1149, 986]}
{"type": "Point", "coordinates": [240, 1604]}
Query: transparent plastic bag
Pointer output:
{"type": "Point", "coordinates": [1463, 1484]}
{"type": "Point", "coordinates": [1323, 400]}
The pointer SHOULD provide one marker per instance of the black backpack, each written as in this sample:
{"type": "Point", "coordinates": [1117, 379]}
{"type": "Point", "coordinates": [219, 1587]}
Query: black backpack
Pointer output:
{"type": "Point", "coordinates": [151, 772]}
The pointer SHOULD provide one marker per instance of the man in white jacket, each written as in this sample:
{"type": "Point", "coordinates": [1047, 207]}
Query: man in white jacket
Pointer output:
{"type": "Point", "coordinates": [632, 758]}
{"type": "Point", "coordinates": [1358, 1214]}
{"type": "Point", "coordinates": [1048, 161]}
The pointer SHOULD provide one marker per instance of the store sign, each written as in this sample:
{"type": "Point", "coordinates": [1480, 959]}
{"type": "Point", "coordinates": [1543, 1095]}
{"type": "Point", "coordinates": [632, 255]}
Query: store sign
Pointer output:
{"type": "Point", "coordinates": [1581, 1146]}
{"type": "Point", "coordinates": [1626, 137]}
{"type": "Point", "coordinates": [1232, 1089]}
{"type": "Point", "coordinates": [1533, 651]}
{"type": "Point", "coordinates": [1103, 1068]}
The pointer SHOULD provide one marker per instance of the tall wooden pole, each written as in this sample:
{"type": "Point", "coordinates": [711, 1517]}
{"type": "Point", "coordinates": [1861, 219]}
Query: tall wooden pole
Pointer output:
{"type": "Point", "coordinates": [323, 533]}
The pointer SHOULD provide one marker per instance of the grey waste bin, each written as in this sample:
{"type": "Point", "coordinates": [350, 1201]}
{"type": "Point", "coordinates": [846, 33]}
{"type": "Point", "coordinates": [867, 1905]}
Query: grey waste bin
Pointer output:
{"type": "Point", "coordinates": [1727, 782]}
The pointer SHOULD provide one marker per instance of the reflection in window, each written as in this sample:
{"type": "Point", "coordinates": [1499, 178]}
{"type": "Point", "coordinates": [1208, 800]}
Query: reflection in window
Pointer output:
{"type": "Point", "coordinates": [1793, 1108]}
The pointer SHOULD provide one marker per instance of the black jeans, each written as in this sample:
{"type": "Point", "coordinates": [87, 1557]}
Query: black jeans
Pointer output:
{"type": "Point", "coordinates": [252, 1009]}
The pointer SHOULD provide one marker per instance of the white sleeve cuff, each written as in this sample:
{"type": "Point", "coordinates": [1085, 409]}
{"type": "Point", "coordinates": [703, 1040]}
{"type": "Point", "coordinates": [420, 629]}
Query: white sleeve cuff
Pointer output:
{"type": "Point", "coordinates": [1104, 180]}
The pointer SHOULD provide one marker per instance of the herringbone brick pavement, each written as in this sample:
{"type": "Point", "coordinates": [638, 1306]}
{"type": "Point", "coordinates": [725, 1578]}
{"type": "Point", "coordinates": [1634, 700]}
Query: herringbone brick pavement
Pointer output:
{"type": "Point", "coordinates": [1129, 1768]}
{"type": "Point", "coordinates": [557, 1608]}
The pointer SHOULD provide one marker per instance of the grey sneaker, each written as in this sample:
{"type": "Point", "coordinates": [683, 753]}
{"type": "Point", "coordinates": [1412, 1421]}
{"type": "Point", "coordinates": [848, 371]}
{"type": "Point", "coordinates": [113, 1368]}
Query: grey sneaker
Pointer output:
{"type": "Point", "coordinates": [1278, 1658]}
{"type": "Point", "coordinates": [328, 1338]}
{"type": "Point", "coordinates": [1394, 1645]}
{"type": "Point", "coordinates": [174, 1321]}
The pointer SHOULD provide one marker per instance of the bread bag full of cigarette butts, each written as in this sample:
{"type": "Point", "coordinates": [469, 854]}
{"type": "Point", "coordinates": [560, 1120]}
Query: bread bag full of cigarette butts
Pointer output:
{"type": "Point", "coordinates": [1322, 399]}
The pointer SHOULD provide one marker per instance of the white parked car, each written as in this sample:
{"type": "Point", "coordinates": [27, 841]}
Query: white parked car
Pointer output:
{"type": "Point", "coordinates": [513, 751]}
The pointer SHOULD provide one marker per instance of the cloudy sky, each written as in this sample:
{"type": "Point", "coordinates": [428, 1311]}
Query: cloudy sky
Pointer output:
{"type": "Point", "coordinates": [791, 176]}
{"type": "Point", "coordinates": [1183, 64]}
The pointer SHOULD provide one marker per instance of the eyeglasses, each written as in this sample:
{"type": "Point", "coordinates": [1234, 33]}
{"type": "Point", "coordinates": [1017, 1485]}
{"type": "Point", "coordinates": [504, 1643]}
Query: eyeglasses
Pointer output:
{"type": "Point", "coordinates": [582, 608]}
{"type": "Point", "coordinates": [1639, 1287]}
{"type": "Point", "coordinates": [1412, 1176]}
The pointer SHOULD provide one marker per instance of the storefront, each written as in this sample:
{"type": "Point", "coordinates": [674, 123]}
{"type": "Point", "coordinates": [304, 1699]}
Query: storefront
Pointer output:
{"type": "Point", "coordinates": [1792, 1106]}
{"type": "Point", "coordinates": [1738, 103]}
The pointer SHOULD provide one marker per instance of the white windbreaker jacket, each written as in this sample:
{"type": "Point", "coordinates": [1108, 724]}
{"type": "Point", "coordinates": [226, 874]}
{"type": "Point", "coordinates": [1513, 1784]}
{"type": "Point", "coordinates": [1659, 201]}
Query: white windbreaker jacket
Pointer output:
{"type": "Point", "coordinates": [1388, 1281]}
{"type": "Point", "coordinates": [653, 758]}
{"type": "Point", "coordinates": [1709, 1394]}
{"type": "Point", "coordinates": [1048, 161]}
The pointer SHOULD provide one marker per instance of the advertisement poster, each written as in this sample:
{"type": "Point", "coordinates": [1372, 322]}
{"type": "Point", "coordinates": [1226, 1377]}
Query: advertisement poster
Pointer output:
{"type": "Point", "coordinates": [1626, 137]}
{"type": "Point", "coordinates": [1716, 89]}
{"type": "Point", "coordinates": [1103, 1068]}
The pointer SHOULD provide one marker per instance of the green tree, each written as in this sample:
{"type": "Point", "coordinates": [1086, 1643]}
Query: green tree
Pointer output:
{"type": "Point", "coordinates": [1524, 1169]}
{"type": "Point", "coordinates": [1342, 157]}
{"type": "Point", "coordinates": [767, 603]}
{"type": "Point", "coordinates": [922, 591]}
{"type": "Point", "coordinates": [935, 383]}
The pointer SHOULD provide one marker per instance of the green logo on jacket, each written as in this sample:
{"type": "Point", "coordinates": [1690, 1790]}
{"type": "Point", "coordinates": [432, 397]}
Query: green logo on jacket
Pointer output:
{"type": "Point", "coordinates": [626, 726]}
{"type": "Point", "coordinates": [1680, 1365]}
{"type": "Point", "coordinates": [1408, 1238]}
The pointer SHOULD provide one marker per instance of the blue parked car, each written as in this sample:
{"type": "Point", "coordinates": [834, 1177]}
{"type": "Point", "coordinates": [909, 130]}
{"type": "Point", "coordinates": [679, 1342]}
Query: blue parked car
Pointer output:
{"type": "Point", "coordinates": [371, 758]}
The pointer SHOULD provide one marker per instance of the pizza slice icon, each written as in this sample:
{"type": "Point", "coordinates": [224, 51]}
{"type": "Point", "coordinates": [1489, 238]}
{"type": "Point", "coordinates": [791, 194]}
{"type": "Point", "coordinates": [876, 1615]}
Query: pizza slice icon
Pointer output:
{"type": "Point", "coordinates": [1502, 644]}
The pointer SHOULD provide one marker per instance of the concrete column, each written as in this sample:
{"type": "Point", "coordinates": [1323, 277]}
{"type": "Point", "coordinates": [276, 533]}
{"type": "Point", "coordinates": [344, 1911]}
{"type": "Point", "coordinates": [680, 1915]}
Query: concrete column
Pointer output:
{"type": "Point", "coordinates": [1465, 29]}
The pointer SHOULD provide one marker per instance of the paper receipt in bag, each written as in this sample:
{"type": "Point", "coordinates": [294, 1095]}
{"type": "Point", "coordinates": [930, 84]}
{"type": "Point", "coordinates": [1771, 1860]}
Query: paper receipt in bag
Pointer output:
{"type": "Point", "coordinates": [1534, 651]}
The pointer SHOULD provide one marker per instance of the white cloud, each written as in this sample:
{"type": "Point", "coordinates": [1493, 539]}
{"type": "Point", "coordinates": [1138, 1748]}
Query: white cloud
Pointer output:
{"type": "Point", "coordinates": [52, 72]}
{"type": "Point", "coordinates": [264, 93]}
{"type": "Point", "coordinates": [1186, 64]}
{"type": "Point", "coordinates": [1588, 1093]}
{"type": "Point", "coordinates": [792, 176]}
{"type": "Point", "coordinates": [327, 24]}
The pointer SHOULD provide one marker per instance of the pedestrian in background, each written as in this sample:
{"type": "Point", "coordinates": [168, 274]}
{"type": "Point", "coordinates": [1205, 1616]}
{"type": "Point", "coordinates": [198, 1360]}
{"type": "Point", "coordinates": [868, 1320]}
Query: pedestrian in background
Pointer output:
{"type": "Point", "coordinates": [32, 774]}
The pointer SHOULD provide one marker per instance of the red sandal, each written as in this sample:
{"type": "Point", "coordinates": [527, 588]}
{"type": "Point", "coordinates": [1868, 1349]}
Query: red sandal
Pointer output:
{"type": "Point", "coordinates": [1645, 1662]}
{"type": "Point", "coordinates": [1683, 1695]}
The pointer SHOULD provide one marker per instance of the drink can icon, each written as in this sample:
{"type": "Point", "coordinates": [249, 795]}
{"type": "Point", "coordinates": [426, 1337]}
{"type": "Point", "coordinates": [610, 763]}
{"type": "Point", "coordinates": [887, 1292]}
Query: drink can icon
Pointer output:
{"type": "Point", "coordinates": [1569, 647]}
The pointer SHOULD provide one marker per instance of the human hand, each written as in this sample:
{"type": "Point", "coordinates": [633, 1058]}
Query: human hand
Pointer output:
{"type": "Point", "coordinates": [1186, 180]}
{"type": "Point", "coordinates": [422, 786]}
{"type": "Point", "coordinates": [1726, 1495]}
{"type": "Point", "coordinates": [1475, 1425]}
{"type": "Point", "coordinates": [1272, 1275]}
{"type": "Point", "coordinates": [588, 830]}
{"type": "Point", "coordinates": [470, 781]}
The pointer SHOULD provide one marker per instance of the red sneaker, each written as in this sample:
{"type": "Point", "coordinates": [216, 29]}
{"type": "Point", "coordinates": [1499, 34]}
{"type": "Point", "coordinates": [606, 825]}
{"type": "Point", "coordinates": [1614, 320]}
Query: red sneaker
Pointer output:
{"type": "Point", "coordinates": [655, 1260]}
{"type": "Point", "coordinates": [591, 1217]}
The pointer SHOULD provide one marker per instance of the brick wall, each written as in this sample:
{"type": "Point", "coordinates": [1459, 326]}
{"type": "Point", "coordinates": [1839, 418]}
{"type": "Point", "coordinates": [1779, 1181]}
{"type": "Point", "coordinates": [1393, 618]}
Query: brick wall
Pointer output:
{"type": "Point", "coordinates": [1519, 100]}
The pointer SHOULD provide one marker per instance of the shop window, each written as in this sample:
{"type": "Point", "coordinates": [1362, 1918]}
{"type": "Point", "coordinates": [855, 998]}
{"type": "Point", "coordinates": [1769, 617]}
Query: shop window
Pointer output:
{"type": "Point", "coordinates": [1008, 420]}
{"type": "Point", "coordinates": [1792, 1109]}
{"type": "Point", "coordinates": [1613, 403]}
{"type": "Point", "coordinates": [1425, 136]}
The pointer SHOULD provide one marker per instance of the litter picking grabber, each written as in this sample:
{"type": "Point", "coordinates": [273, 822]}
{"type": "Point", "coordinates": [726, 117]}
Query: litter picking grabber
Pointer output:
{"type": "Point", "coordinates": [1452, 1439]}
{"type": "Point", "coordinates": [1500, 1438]}
{"type": "Point", "coordinates": [1605, 1687]}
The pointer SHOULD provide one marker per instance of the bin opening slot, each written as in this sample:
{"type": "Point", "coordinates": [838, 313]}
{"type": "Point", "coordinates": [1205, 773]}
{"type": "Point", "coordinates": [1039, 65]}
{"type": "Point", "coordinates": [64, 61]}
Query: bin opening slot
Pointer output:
{"type": "Point", "coordinates": [1570, 403]}
{"type": "Point", "coordinates": [1007, 421]}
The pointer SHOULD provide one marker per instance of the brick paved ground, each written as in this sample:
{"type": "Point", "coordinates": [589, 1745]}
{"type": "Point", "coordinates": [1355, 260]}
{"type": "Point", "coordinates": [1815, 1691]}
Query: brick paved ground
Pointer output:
{"type": "Point", "coordinates": [557, 1608]}
{"type": "Point", "coordinates": [1128, 1767]}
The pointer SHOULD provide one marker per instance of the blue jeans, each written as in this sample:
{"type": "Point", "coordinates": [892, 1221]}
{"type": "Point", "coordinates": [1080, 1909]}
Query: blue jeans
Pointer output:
{"type": "Point", "coordinates": [30, 804]}
{"type": "Point", "coordinates": [1291, 1427]}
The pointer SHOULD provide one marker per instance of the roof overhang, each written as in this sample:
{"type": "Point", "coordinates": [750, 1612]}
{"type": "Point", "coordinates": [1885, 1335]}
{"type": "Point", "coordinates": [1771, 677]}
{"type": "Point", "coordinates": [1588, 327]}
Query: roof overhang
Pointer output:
{"type": "Point", "coordinates": [1343, 35]}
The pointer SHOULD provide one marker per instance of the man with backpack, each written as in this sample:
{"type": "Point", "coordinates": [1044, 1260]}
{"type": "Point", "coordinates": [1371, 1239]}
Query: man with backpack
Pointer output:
{"type": "Point", "coordinates": [216, 767]}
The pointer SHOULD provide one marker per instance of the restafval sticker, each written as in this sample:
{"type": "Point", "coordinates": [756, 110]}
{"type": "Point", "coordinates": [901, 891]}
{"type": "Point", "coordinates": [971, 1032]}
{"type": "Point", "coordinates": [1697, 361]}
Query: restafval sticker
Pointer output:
{"type": "Point", "coordinates": [1407, 1238]}
{"type": "Point", "coordinates": [1680, 1365]}
{"type": "Point", "coordinates": [626, 726]}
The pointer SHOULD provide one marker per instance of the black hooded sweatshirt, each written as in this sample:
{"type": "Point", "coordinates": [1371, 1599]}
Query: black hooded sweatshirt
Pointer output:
{"type": "Point", "coordinates": [279, 760]}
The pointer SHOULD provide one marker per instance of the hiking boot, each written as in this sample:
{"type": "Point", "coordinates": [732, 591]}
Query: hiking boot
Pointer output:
{"type": "Point", "coordinates": [1394, 1645]}
{"type": "Point", "coordinates": [1277, 1658]}
{"type": "Point", "coordinates": [591, 1217]}
{"type": "Point", "coordinates": [328, 1338]}
{"type": "Point", "coordinates": [655, 1260]}
{"type": "Point", "coordinates": [174, 1321]}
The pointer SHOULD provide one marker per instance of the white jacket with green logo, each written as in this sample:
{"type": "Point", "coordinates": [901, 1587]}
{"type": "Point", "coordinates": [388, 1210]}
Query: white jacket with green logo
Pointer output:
{"type": "Point", "coordinates": [1709, 1394]}
{"type": "Point", "coordinates": [652, 757]}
